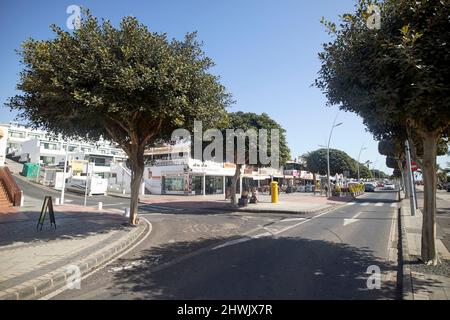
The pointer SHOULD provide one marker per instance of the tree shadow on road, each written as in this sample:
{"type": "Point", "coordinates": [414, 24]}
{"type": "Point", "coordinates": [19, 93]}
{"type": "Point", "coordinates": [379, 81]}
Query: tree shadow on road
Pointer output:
{"type": "Point", "coordinates": [263, 268]}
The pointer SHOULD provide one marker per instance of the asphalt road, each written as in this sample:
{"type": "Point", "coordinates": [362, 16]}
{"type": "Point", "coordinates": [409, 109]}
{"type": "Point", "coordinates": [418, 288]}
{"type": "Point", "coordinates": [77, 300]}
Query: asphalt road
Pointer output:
{"type": "Point", "coordinates": [243, 256]}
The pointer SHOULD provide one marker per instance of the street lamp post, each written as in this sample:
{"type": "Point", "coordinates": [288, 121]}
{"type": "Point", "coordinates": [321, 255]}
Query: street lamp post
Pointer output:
{"type": "Point", "coordinates": [328, 154]}
{"type": "Point", "coordinates": [359, 157]}
{"type": "Point", "coordinates": [64, 174]}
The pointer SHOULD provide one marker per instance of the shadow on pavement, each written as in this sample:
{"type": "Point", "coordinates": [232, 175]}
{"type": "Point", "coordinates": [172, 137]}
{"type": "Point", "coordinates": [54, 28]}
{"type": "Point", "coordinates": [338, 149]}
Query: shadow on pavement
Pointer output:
{"type": "Point", "coordinates": [264, 268]}
{"type": "Point", "coordinates": [22, 228]}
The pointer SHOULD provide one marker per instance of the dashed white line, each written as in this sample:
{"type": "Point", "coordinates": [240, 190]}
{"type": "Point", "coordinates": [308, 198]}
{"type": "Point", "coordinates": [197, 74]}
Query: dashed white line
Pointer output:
{"type": "Point", "coordinates": [350, 203]}
{"type": "Point", "coordinates": [231, 243]}
{"type": "Point", "coordinates": [379, 204]}
{"type": "Point", "coordinates": [293, 219]}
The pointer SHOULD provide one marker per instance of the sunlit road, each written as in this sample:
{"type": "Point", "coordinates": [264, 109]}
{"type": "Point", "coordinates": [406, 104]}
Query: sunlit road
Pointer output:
{"type": "Point", "coordinates": [325, 256]}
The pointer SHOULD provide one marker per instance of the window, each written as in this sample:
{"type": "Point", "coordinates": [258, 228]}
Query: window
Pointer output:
{"type": "Point", "coordinates": [34, 135]}
{"type": "Point", "coordinates": [15, 134]}
{"type": "Point", "coordinates": [47, 160]}
{"type": "Point", "coordinates": [49, 146]}
{"type": "Point", "coordinates": [173, 184]}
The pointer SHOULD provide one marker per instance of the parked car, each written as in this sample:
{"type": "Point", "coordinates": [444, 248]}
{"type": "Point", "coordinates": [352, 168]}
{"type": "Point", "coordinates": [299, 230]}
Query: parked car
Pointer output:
{"type": "Point", "coordinates": [369, 187]}
{"type": "Point", "coordinates": [389, 186]}
{"type": "Point", "coordinates": [448, 187]}
{"type": "Point", "coordinates": [301, 189]}
{"type": "Point", "coordinates": [309, 188]}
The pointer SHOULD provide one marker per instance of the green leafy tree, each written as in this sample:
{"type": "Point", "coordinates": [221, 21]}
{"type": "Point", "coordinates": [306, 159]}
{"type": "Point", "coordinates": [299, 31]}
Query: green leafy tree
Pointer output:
{"type": "Point", "coordinates": [364, 172]}
{"type": "Point", "coordinates": [395, 77]}
{"type": "Point", "coordinates": [378, 174]}
{"type": "Point", "coordinates": [127, 84]}
{"type": "Point", "coordinates": [339, 162]}
{"type": "Point", "coordinates": [246, 121]}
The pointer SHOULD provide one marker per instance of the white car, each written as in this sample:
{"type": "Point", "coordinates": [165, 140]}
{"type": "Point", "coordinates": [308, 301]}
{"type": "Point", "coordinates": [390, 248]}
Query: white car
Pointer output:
{"type": "Point", "coordinates": [389, 186]}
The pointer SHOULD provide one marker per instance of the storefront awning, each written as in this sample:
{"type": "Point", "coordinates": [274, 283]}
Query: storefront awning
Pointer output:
{"type": "Point", "coordinates": [261, 177]}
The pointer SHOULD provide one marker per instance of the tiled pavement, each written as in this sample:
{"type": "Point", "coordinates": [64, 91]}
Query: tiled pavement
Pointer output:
{"type": "Point", "coordinates": [425, 285]}
{"type": "Point", "coordinates": [27, 254]}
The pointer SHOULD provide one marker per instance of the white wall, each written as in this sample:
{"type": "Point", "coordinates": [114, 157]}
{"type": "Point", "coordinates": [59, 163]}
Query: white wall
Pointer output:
{"type": "Point", "coordinates": [3, 144]}
{"type": "Point", "coordinates": [30, 151]}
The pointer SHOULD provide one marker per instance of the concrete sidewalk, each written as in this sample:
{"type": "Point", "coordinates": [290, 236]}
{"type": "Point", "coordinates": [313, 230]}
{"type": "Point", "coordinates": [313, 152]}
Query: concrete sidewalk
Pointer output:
{"type": "Point", "coordinates": [422, 282]}
{"type": "Point", "coordinates": [295, 203]}
{"type": "Point", "coordinates": [34, 263]}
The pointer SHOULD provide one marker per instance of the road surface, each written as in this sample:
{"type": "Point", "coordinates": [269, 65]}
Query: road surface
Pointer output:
{"type": "Point", "coordinates": [243, 256]}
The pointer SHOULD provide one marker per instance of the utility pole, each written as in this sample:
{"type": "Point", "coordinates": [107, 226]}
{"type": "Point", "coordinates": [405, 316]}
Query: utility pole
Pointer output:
{"type": "Point", "coordinates": [359, 157]}
{"type": "Point", "coordinates": [64, 175]}
{"type": "Point", "coordinates": [410, 179]}
{"type": "Point", "coordinates": [328, 154]}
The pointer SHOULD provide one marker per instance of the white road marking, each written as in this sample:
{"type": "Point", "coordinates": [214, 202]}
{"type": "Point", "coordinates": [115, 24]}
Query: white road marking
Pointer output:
{"type": "Point", "coordinates": [293, 219]}
{"type": "Point", "coordinates": [230, 243]}
{"type": "Point", "coordinates": [350, 203]}
{"type": "Point", "coordinates": [248, 238]}
{"type": "Point", "coordinates": [352, 220]}
{"type": "Point", "coordinates": [394, 205]}
{"type": "Point", "coordinates": [265, 234]}
{"type": "Point", "coordinates": [365, 204]}
{"type": "Point", "coordinates": [379, 204]}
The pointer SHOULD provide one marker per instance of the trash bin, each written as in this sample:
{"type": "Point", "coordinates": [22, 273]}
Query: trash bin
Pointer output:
{"type": "Point", "coordinates": [274, 191]}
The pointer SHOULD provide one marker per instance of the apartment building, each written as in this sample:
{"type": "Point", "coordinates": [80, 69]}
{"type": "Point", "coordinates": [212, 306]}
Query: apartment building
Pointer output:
{"type": "Point", "coordinates": [37, 146]}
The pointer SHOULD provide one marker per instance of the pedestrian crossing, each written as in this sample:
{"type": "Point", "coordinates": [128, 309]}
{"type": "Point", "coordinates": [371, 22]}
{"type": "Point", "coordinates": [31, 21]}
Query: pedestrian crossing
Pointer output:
{"type": "Point", "coordinates": [375, 204]}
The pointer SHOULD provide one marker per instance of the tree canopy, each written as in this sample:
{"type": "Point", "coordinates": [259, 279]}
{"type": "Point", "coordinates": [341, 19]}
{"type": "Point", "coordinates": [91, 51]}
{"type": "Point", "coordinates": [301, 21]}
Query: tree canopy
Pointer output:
{"type": "Point", "coordinates": [127, 84]}
{"type": "Point", "coordinates": [395, 78]}
{"type": "Point", "coordinates": [248, 121]}
{"type": "Point", "coordinates": [339, 162]}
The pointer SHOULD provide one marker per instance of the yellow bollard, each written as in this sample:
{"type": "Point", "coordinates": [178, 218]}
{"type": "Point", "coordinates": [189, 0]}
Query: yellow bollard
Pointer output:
{"type": "Point", "coordinates": [274, 191]}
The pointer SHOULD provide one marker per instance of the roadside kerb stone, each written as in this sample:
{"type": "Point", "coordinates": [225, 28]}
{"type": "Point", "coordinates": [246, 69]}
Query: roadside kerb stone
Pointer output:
{"type": "Point", "coordinates": [407, 287]}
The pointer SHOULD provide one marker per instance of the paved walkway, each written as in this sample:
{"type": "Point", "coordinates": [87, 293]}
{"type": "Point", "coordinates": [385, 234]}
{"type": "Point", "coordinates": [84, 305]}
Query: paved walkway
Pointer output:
{"type": "Point", "coordinates": [288, 203]}
{"type": "Point", "coordinates": [34, 262]}
{"type": "Point", "coordinates": [426, 283]}
{"type": "Point", "coordinates": [443, 217]}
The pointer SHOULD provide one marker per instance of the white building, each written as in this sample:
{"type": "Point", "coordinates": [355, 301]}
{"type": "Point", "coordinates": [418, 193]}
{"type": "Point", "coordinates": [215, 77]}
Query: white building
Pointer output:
{"type": "Point", "coordinates": [3, 143]}
{"type": "Point", "coordinates": [37, 146]}
{"type": "Point", "coordinates": [172, 170]}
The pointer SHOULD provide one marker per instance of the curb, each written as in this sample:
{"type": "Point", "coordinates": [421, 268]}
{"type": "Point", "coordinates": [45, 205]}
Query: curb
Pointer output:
{"type": "Point", "coordinates": [406, 276]}
{"type": "Point", "coordinates": [45, 284]}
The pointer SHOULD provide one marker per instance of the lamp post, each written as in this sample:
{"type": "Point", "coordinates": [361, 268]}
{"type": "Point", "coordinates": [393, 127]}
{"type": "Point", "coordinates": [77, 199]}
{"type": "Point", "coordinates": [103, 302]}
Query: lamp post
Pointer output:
{"type": "Point", "coordinates": [359, 157]}
{"type": "Point", "coordinates": [64, 173]}
{"type": "Point", "coordinates": [328, 153]}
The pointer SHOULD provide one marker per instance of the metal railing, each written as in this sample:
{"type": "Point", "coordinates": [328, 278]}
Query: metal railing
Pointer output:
{"type": "Point", "coordinates": [12, 189]}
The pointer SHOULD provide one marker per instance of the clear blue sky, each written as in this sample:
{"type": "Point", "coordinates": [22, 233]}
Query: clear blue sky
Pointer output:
{"type": "Point", "coordinates": [265, 52]}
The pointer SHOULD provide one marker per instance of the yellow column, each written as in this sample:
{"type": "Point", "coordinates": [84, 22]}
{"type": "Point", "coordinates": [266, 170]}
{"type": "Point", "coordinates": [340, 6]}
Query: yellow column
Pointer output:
{"type": "Point", "coordinates": [274, 191]}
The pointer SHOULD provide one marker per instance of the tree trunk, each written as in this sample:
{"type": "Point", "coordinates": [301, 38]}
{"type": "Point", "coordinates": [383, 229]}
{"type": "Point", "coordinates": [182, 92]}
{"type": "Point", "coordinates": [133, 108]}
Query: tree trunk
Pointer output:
{"type": "Point", "coordinates": [137, 172]}
{"type": "Point", "coordinates": [234, 181]}
{"type": "Point", "coordinates": [429, 254]}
